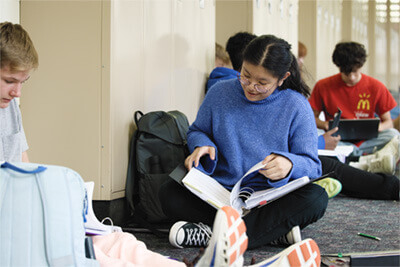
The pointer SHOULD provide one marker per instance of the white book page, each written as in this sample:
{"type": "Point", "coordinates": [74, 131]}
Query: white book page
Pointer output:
{"type": "Point", "coordinates": [207, 188]}
{"type": "Point", "coordinates": [235, 201]}
{"type": "Point", "coordinates": [341, 152]}
{"type": "Point", "coordinates": [92, 224]}
{"type": "Point", "coordinates": [271, 194]}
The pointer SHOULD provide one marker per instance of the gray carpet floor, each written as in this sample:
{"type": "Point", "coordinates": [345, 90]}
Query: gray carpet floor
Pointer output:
{"type": "Point", "coordinates": [335, 233]}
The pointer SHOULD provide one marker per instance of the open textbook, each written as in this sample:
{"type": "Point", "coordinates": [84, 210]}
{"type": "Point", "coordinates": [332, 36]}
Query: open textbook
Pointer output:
{"type": "Point", "coordinates": [341, 152]}
{"type": "Point", "coordinates": [243, 199]}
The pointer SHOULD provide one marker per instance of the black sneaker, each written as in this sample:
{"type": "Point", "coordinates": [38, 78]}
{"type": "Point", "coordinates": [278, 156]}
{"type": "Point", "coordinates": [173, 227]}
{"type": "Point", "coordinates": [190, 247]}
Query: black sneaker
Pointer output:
{"type": "Point", "coordinates": [185, 234]}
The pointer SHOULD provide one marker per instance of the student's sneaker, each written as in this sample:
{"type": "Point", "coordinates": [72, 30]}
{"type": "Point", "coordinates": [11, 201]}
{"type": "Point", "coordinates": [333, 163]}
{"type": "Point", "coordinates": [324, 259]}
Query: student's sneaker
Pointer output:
{"type": "Point", "coordinates": [293, 237]}
{"type": "Point", "coordinates": [385, 164]}
{"type": "Point", "coordinates": [228, 242]}
{"type": "Point", "coordinates": [184, 234]}
{"type": "Point", "coordinates": [391, 148]}
{"type": "Point", "coordinates": [358, 165]}
{"type": "Point", "coordinates": [331, 186]}
{"type": "Point", "coordinates": [305, 253]}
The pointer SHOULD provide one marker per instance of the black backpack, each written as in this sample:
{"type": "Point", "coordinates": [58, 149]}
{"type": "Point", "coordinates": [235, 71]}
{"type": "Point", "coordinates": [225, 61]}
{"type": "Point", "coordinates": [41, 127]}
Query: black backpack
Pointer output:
{"type": "Point", "coordinates": [157, 147]}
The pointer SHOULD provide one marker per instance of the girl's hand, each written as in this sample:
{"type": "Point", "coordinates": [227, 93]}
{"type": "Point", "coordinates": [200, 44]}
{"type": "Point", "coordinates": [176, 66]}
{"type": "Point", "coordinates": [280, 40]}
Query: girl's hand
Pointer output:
{"type": "Point", "coordinates": [278, 167]}
{"type": "Point", "coordinates": [197, 154]}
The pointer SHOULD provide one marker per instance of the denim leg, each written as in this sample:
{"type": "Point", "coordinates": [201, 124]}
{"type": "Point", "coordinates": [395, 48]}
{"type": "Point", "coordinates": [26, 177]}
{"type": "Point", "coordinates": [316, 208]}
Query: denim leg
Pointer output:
{"type": "Point", "coordinates": [379, 142]}
{"type": "Point", "coordinates": [368, 146]}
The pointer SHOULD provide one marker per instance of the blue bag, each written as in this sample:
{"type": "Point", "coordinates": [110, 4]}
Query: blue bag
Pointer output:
{"type": "Point", "coordinates": [42, 212]}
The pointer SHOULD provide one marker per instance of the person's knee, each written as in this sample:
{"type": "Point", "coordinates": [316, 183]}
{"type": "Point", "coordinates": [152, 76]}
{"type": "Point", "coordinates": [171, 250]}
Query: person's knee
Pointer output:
{"type": "Point", "coordinates": [389, 133]}
{"type": "Point", "coordinates": [319, 200]}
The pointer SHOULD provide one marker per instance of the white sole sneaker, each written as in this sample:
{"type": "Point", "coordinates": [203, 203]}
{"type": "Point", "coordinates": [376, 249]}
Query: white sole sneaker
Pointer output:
{"type": "Point", "coordinates": [391, 148]}
{"type": "Point", "coordinates": [385, 164]}
{"type": "Point", "coordinates": [305, 254]}
{"type": "Point", "coordinates": [185, 234]}
{"type": "Point", "coordinates": [228, 242]}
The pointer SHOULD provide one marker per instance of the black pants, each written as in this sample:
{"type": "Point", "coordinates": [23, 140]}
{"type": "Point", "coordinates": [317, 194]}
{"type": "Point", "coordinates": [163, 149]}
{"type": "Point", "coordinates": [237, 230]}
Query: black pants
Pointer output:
{"type": "Point", "coordinates": [362, 184]}
{"type": "Point", "coordinates": [301, 207]}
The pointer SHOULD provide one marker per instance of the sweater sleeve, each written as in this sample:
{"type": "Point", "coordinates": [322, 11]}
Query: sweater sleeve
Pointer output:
{"type": "Point", "coordinates": [321, 142]}
{"type": "Point", "coordinates": [199, 135]}
{"type": "Point", "coordinates": [303, 146]}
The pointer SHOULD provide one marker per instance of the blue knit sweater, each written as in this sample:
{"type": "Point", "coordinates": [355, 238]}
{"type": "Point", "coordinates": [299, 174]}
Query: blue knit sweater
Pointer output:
{"type": "Point", "coordinates": [245, 132]}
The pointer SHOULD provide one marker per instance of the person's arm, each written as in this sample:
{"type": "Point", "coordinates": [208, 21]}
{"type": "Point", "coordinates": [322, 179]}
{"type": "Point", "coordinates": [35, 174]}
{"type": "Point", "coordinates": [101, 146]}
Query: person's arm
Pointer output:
{"type": "Point", "coordinates": [303, 146]}
{"type": "Point", "coordinates": [324, 125]}
{"type": "Point", "coordinates": [331, 141]}
{"type": "Point", "coordinates": [386, 121]}
{"type": "Point", "coordinates": [25, 157]}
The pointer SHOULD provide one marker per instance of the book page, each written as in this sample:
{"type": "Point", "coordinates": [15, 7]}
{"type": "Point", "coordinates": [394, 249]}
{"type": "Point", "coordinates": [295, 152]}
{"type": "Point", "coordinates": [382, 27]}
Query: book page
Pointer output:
{"type": "Point", "coordinates": [235, 201]}
{"type": "Point", "coordinates": [341, 152]}
{"type": "Point", "coordinates": [207, 188]}
{"type": "Point", "coordinates": [92, 225]}
{"type": "Point", "coordinates": [263, 197]}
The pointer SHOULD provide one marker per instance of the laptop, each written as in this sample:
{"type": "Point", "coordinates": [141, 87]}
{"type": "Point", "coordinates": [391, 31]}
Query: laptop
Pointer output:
{"type": "Point", "coordinates": [357, 129]}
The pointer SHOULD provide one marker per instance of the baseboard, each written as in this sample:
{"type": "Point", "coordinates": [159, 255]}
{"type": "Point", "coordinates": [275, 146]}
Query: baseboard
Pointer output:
{"type": "Point", "coordinates": [117, 210]}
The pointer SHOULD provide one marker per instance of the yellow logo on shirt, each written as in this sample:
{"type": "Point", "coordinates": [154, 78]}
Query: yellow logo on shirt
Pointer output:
{"type": "Point", "coordinates": [363, 103]}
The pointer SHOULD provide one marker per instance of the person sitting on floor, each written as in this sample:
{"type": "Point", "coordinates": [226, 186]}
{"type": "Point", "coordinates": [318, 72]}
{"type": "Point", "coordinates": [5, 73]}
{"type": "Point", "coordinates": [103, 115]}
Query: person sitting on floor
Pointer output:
{"type": "Point", "coordinates": [351, 181]}
{"type": "Point", "coordinates": [359, 96]}
{"type": "Point", "coordinates": [234, 47]}
{"type": "Point", "coordinates": [236, 127]}
{"type": "Point", "coordinates": [19, 59]}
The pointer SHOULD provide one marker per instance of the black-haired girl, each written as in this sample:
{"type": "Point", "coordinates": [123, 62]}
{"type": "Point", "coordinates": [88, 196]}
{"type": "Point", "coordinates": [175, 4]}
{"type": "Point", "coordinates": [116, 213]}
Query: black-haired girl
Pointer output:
{"type": "Point", "coordinates": [263, 115]}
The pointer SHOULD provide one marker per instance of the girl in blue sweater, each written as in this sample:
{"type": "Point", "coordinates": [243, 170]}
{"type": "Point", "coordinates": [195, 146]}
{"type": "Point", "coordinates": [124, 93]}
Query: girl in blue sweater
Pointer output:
{"type": "Point", "coordinates": [263, 115]}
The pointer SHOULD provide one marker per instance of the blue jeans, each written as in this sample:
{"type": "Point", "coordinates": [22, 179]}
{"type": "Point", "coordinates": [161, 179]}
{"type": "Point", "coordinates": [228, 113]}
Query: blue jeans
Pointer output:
{"type": "Point", "coordinates": [368, 146]}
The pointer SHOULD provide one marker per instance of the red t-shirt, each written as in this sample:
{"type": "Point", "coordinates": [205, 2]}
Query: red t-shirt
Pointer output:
{"type": "Point", "coordinates": [361, 101]}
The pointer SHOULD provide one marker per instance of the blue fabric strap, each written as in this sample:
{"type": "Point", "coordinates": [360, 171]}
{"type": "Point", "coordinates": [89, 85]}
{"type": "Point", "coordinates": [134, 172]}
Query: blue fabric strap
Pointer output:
{"type": "Point", "coordinates": [15, 168]}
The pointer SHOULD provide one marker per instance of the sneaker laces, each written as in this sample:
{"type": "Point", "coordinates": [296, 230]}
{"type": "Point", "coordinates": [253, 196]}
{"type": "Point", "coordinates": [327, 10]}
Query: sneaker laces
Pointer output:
{"type": "Point", "coordinates": [198, 236]}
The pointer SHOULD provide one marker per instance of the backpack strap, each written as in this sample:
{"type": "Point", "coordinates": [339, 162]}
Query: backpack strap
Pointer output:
{"type": "Point", "coordinates": [52, 233]}
{"type": "Point", "coordinates": [15, 168]}
{"type": "Point", "coordinates": [136, 116]}
{"type": "Point", "coordinates": [132, 186]}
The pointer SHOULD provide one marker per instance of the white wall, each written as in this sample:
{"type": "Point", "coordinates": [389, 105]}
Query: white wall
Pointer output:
{"type": "Point", "coordinates": [329, 24]}
{"type": "Point", "coordinates": [279, 18]}
{"type": "Point", "coordinates": [100, 61]}
{"type": "Point", "coordinates": [231, 17]}
{"type": "Point", "coordinates": [9, 11]}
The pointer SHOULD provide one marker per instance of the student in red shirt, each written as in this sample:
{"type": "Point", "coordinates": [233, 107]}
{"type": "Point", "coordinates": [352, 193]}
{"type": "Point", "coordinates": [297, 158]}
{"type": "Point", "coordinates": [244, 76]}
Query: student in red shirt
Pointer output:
{"type": "Point", "coordinates": [359, 96]}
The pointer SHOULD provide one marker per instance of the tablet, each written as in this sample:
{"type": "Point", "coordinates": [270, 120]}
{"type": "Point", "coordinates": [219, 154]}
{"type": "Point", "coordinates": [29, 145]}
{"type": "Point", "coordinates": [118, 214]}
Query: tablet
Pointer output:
{"type": "Point", "coordinates": [357, 129]}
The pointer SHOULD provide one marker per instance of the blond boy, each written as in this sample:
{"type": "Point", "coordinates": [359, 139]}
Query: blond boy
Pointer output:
{"type": "Point", "coordinates": [18, 59]}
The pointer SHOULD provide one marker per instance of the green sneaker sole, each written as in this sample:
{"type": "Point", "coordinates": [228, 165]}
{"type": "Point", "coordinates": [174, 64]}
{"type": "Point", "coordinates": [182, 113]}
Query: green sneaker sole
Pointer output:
{"type": "Point", "coordinates": [331, 186]}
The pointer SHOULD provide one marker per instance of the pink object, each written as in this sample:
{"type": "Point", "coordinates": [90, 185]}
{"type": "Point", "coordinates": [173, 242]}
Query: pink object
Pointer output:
{"type": "Point", "coordinates": [123, 249]}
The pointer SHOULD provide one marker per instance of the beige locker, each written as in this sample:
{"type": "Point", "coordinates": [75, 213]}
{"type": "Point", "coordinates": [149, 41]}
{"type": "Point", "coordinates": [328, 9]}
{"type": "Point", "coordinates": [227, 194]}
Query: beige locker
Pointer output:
{"type": "Point", "coordinates": [99, 62]}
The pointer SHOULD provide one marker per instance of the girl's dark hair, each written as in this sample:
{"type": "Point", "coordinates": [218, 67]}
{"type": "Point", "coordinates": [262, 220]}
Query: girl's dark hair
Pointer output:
{"type": "Point", "coordinates": [274, 55]}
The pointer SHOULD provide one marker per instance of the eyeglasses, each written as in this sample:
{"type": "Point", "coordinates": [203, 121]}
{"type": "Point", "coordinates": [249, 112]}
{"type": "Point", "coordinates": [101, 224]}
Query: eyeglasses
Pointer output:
{"type": "Point", "coordinates": [261, 89]}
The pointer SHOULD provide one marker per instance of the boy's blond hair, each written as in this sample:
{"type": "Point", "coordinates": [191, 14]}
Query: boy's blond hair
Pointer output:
{"type": "Point", "coordinates": [221, 54]}
{"type": "Point", "coordinates": [16, 48]}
